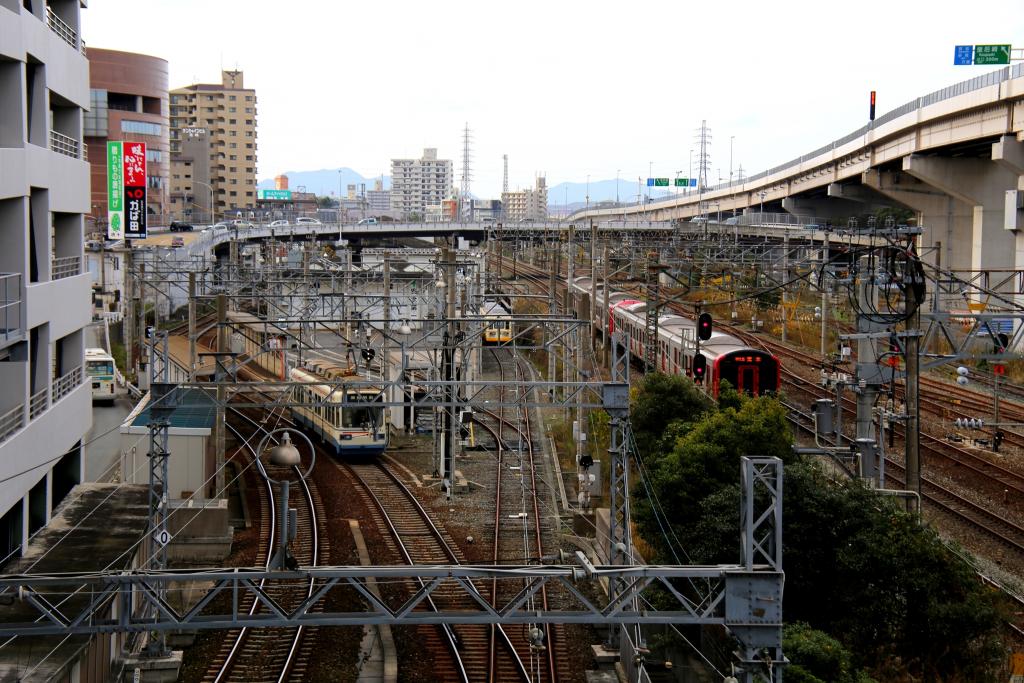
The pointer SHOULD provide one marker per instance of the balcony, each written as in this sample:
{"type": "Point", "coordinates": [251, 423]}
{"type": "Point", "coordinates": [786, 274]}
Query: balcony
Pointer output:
{"type": "Point", "coordinates": [65, 384]}
{"type": "Point", "coordinates": [66, 266]}
{"type": "Point", "coordinates": [10, 308]}
{"type": "Point", "coordinates": [12, 421]}
{"type": "Point", "coordinates": [65, 145]}
{"type": "Point", "coordinates": [38, 403]}
{"type": "Point", "coordinates": [57, 25]}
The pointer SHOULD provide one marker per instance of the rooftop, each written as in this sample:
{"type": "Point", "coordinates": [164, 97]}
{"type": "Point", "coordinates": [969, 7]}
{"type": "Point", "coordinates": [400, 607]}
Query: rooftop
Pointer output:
{"type": "Point", "coordinates": [95, 528]}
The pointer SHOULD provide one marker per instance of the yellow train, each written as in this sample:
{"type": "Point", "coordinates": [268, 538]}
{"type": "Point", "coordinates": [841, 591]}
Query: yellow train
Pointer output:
{"type": "Point", "coordinates": [497, 324]}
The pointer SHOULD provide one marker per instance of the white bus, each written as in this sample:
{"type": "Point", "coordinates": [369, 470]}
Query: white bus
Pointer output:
{"type": "Point", "coordinates": [99, 365]}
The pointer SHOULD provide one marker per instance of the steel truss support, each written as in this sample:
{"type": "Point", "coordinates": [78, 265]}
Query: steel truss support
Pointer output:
{"type": "Point", "coordinates": [754, 598]}
{"type": "Point", "coordinates": [161, 406]}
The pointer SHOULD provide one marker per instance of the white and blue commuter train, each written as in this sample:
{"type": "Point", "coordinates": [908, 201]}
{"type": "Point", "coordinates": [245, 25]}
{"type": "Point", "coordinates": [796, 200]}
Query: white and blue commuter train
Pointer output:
{"type": "Point", "coordinates": [349, 418]}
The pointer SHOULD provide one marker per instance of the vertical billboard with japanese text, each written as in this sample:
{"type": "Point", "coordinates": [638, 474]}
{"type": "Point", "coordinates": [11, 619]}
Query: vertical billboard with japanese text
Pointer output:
{"type": "Point", "coordinates": [115, 191]}
{"type": "Point", "coordinates": [135, 190]}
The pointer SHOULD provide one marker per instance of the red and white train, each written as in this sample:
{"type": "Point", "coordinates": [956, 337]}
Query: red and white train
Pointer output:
{"type": "Point", "coordinates": [753, 371]}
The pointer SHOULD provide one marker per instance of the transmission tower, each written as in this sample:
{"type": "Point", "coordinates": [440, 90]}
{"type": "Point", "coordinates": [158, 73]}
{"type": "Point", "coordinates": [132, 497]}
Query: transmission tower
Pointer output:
{"type": "Point", "coordinates": [504, 177]}
{"type": "Point", "coordinates": [703, 139]}
{"type": "Point", "coordinates": [467, 174]}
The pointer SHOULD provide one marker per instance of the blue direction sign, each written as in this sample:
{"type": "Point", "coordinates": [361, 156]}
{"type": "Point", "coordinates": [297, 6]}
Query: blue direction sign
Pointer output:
{"type": "Point", "coordinates": [693, 182]}
{"type": "Point", "coordinates": [650, 182]}
{"type": "Point", "coordinates": [963, 55]}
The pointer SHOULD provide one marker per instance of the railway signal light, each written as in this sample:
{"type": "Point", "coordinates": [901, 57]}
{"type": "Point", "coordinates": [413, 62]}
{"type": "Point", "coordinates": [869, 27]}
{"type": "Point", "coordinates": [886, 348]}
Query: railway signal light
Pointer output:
{"type": "Point", "coordinates": [700, 367]}
{"type": "Point", "coordinates": [871, 115]}
{"type": "Point", "coordinates": [968, 423]}
{"type": "Point", "coordinates": [961, 375]}
{"type": "Point", "coordinates": [704, 326]}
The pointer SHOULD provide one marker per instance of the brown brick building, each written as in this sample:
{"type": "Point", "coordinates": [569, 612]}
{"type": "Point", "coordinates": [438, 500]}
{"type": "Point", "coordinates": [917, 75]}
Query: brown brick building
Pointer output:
{"type": "Point", "coordinates": [128, 101]}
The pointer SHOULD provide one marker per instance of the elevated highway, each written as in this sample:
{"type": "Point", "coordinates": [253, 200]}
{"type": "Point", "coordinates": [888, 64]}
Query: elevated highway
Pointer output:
{"type": "Point", "coordinates": [955, 157]}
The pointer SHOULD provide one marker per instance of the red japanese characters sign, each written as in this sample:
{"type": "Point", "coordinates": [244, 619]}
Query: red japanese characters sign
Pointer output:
{"type": "Point", "coordinates": [135, 190]}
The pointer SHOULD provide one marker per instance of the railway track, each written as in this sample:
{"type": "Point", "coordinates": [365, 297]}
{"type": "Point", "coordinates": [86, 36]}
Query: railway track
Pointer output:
{"type": "Point", "coordinates": [518, 523]}
{"type": "Point", "coordinates": [458, 653]}
{"type": "Point", "coordinates": [281, 654]}
{"type": "Point", "coordinates": [995, 526]}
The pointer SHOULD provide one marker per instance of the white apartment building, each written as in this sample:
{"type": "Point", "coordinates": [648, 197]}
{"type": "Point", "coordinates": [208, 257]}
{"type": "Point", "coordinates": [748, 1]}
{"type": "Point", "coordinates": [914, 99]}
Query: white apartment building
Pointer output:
{"type": "Point", "coordinates": [526, 205]}
{"type": "Point", "coordinates": [416, 183]}
{"type": "Point", "coordinates": [45, 406]}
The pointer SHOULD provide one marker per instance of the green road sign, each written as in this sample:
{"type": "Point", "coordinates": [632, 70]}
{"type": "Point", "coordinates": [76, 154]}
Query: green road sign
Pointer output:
{"type": "Point", "coordinates": [991, 54]}
{"type": "Point", "coordinates": [280, 195]}
{"type": "Point", "coordinates": [661, 182]}
{"type": "Point", "coordinates": [682, 182]}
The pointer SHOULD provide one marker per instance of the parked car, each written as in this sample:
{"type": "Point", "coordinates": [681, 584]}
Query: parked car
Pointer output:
{"type": "Point", "coordinates": [178, 226]}
{"type": "Point", "coordinates": [221, 226]}
{"type": "Point", "coordinates": [306, 220]}
{"type": "Point", "coordinates": [279, 224]}
{"type": "Point", "coordinates": [367, 221]}
{"type": "Point", "coordinates": [238, 223]}
{"type": "Point", "coordinates": [177, 241]}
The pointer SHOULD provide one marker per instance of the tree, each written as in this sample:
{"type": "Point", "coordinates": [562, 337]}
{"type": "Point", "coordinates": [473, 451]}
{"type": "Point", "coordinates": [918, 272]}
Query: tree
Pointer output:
{"type": "Point", "coordinates": [857, 568]}
{"type": "Point", "coordinates": [326, 202]}
{"type": "Point", "coordinates": [817, 657]}
{"type": "Point", "coordinates": [658, 401]}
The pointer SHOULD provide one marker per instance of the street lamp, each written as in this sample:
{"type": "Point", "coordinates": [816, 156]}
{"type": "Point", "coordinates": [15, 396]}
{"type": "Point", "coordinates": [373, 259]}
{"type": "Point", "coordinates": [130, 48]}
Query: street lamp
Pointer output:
{"type": "Point", "coordinates": [617, 171]}
{"type": "Point", "coordinates": [284, 454]}
{"type": "Point", "coordinates": [731, 138]}
{"type": "Point", "coordinates": [762, 193]}
{"type": "Point", "coordinates": [213, 218]}
{"type": "Point", "coordinates": [689, 173]}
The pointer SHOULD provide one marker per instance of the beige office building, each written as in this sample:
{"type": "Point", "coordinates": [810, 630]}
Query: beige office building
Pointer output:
{"type": "Point", "coordinates": [417, 183]}
{"type": "Point", "coordinates": [526, 205]}
{"type": "Point", "coordinates": [226, 116]}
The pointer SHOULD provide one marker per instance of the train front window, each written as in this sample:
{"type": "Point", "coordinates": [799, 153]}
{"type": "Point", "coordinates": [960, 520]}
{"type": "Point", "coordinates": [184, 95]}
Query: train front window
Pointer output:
{"type": "Point", "coordinates": [362, 417]}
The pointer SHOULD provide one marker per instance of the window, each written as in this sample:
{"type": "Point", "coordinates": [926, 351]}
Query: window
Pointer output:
{"type": "Point", "coordinates": [155, 182]}
{"type": "Point", "coordinates": [231, 110]}
{"type": "Point", "coordinates": [232, 133]}
{"type": "Point", "coordinates": [248, 122]}
{"type": "Point", "coordinates": [140, 127]}
{"type": "Point", "coordinates": [233, 157]}
{"type": "Point", "coordinates": [233, 145]}
{"type": "Point", "coordinates": [248, 98]}
{"type": "Point", "coordinates": [232, 121]}
{"type": "Point", "coordinates": [233, 193]}
{"type": "Point", "coordinates": [231, 97]}
{"type": "Point", "coordinates": [153, 155]}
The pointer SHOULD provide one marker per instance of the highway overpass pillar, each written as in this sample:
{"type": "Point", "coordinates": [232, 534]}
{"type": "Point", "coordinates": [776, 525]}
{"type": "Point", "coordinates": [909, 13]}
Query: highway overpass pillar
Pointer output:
{"type": "Point", "coordinates": [982, 185]}
{"type": "Point", "coordinates": [946, 219]}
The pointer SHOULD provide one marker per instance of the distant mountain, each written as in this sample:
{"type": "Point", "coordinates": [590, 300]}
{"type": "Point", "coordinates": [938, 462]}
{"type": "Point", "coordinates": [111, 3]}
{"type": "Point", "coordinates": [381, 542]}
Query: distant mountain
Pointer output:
{"type": "Point", "coordinates": [599, 191]}
{"type": "Point", "coordinates": [325, 181]}
{"type": "Point", "coordinates": [574, 195]}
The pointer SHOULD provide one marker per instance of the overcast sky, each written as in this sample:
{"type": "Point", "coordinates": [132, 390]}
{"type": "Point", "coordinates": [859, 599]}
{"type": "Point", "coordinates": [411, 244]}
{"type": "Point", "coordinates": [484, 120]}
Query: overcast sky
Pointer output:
{"type": "Point", "coordinates": [565, 88]}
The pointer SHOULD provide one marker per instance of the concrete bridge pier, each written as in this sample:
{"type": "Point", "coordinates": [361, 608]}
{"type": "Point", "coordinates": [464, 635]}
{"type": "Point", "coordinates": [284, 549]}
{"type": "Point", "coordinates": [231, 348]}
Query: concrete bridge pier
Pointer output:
{"type": "Point", "coordinates": [946, 219]}
{"type": "Point", "coordinates": [982, 185]}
